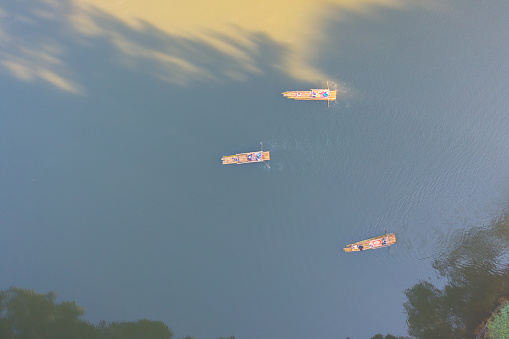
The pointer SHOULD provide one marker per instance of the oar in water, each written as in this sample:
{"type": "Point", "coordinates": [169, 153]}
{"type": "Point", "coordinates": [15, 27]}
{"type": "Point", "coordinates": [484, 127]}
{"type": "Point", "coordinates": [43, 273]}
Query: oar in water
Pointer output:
{"type": "Point", "coordinates": [261, 143]}
{"type": "Point", "coordinates": [385, 229]}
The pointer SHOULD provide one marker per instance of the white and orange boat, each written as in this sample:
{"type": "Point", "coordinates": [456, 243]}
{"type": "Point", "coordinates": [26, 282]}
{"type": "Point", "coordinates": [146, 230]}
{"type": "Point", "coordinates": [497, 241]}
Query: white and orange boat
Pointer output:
{"type": "Point", "coordinates": [373, 243]}
{"type": "Point", "coordinates": [247, 158]}
{"type": "Point", "coordinates": [313, 94]}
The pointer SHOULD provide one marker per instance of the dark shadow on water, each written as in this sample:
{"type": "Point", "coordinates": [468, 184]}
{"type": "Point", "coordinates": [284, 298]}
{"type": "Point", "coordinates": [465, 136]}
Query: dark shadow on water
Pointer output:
{"type": "Point", "coordinates": [477, 272]}
{"type": "Point", "coordinates": [28, 314]}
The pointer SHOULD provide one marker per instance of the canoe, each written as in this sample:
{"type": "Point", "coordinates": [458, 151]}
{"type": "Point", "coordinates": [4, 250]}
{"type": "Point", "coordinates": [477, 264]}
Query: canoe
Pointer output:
{"type": "Point", "coordinates": [246, 158]}
{"type": "Point", "coordinates": [313, 94]}
{"type": "Point", "coordinates": [373, 243]}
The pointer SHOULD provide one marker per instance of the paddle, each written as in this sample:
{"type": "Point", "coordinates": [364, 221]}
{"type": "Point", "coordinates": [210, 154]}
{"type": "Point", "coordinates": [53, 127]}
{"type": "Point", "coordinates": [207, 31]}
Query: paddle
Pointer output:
{"type": "Point", "coordinates": [261, 143]}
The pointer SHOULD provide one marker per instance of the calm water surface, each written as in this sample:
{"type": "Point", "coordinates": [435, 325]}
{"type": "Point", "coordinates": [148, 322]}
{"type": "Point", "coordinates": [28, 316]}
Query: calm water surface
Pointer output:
{"type": "Point", "coordinates": [113, 194]}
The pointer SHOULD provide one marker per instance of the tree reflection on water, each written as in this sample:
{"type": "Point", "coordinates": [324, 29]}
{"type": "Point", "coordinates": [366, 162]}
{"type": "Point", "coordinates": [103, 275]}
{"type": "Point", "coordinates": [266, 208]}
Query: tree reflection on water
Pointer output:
{"type": "Point", "coordinates": [477, 273]}
{"type": "Point", "coordinates": [27, 314]}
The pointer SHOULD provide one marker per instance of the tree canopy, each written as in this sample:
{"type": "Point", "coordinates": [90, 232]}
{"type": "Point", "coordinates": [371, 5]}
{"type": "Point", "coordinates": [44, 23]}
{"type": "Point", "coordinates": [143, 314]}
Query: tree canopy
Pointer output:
{"type": "Point", "coordinates": [498, 325]}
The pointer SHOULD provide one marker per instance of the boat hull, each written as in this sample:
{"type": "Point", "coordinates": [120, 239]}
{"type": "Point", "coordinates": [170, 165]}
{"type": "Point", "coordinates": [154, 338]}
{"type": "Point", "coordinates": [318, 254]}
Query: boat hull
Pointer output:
{"type": "Point", "coordinates": [373, 243]}
{"type": "Point", "coordinates": [246, 158]}
{"type": "Point", "coordinates": [314, 94]}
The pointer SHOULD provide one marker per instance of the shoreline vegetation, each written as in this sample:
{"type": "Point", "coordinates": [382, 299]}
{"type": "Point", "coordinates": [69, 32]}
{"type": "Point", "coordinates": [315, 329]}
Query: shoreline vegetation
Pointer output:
{"type": "Point", "coordinates": [497, 324]}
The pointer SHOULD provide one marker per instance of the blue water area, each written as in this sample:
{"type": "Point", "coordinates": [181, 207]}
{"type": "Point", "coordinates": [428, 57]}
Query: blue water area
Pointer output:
{"type": "Point", "coordinates": [116, 197]}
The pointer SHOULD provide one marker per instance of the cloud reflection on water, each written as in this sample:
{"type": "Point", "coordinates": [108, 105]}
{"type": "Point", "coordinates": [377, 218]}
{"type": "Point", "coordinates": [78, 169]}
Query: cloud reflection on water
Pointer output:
{"type": "Point", "coordinates": [230, 28]}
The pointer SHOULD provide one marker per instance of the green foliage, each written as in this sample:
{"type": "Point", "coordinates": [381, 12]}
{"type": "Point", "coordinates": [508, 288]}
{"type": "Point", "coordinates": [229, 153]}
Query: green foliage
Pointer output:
{"type": "Point", "coordinates": [498, 325]}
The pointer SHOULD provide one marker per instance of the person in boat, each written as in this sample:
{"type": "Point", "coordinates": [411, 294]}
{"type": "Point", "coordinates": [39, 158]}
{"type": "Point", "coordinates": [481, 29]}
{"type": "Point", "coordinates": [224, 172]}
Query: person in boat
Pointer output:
{"type": "Point", "coordinates": [384, 241]}
{"type": "Point", "coordinates": [249, 157]}
{"type": "Point", "coordinates": [325, 94]}
{"type": "Point", "coordinates": [258, 156]}
{"type": "Point", "coordinates": [360, 247]}
{"type": "Point", "coordinates": [313, 94]}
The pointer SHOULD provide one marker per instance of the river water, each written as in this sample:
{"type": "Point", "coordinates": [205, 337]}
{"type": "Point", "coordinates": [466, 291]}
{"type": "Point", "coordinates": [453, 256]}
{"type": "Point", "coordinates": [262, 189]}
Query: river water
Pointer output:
{"type": "Point", "coordinates": [113, 124]}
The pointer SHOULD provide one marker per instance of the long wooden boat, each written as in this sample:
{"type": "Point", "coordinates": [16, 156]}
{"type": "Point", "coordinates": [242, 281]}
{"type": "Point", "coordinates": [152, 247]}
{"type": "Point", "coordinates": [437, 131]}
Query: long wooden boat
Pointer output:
{"type": "Point", "coordinates": [373, 243]}
{"type": "Point", "coordinates": [313, 94]}
{"type": "Point", "coordinates": [247, 158]}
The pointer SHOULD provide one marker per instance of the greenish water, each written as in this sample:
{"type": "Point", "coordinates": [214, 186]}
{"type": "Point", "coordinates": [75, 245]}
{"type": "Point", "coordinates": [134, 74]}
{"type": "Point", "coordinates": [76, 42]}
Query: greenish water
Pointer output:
{"type": "Point", "coordinates": [117, 198]}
